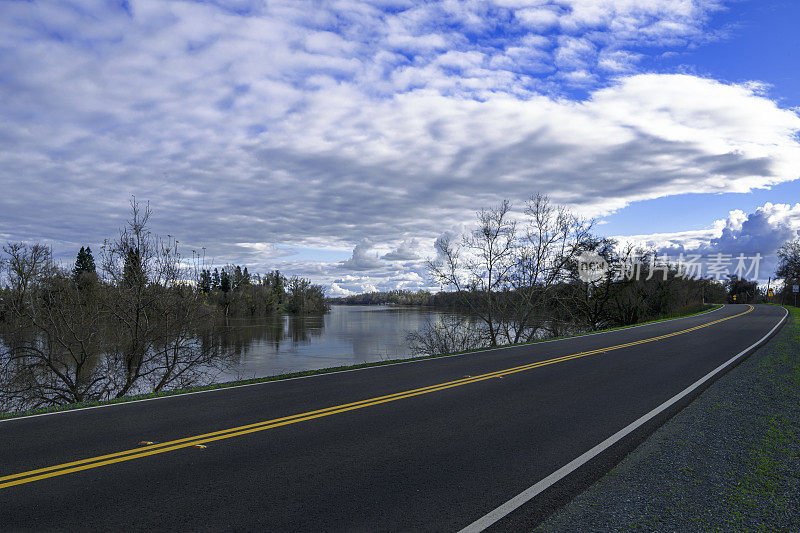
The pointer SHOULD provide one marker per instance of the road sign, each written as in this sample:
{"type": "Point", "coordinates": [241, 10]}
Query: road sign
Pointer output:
{"type": "Point", "coordinates": [795, 288]}
{"type": "Point", "coordinates": [770, 293]}
{"type": "Point", "coordinates": [734, 297]}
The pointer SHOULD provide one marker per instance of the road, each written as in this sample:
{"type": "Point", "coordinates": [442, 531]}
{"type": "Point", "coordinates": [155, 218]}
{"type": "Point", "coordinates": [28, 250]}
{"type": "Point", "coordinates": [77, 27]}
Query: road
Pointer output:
{"type": "Point", "coordinates": [493, 439]}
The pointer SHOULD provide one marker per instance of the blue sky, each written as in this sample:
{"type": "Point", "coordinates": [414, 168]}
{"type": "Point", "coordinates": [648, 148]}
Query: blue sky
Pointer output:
{"type": "Point", "coordinates": [338, 139]}
{"type": "Point", "coordinates": [760, 42]}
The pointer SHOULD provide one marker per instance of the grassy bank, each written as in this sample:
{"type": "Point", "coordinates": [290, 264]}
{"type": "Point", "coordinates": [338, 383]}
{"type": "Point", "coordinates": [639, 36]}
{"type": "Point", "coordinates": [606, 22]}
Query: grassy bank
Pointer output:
{"type": "Point", "coordinates": [729, 461]}
{"type": "Point", "coordinates": [305, 373]}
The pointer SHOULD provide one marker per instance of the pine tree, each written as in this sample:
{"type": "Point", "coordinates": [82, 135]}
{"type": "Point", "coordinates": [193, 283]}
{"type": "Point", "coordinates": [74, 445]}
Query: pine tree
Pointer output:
{"type": "Point", "coordinates": [205, 282]}
{"type": "Point", "coordinates": [224, 282]}
{"type": "Point", "coordinates": [78, 269]}
{"type": "Point", "coordinates": [215, 280]}
{"type": "Point", "coordinates": [84, 265]}
{"type": "Point", "coordinates": [237, 277]}
{"type": "Point", "coordinates": [89, 262]}
{"type": "Point", "coordinates": [133, 274]}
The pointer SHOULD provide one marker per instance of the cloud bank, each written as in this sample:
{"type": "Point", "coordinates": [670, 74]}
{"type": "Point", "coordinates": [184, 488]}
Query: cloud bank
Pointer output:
{"type": "Point", "coordinates": [374, 125]}
{"type": "Point", "coordinates": [762, 232]}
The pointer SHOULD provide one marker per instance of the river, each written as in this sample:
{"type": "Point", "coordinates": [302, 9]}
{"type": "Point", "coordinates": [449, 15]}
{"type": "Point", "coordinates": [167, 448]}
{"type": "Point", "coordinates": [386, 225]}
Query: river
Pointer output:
{"type": "Point", "coordinates": [347, 335]}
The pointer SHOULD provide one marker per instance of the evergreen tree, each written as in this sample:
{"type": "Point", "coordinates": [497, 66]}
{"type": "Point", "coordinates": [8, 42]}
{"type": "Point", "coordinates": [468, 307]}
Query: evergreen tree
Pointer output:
{"type": "Point", "coordinates": [224, 282]}
{"type": "Point", "coordinates": [237, 277]}
{"type": "Point", "coordinates": [89, 265]}
{"type": "Point", "coordinates": [205, 282]}
{"type": "Point", "coordinates": [215, 280]}
{"type": "Point", "coordinates": [133, 273]}
{"type": "Point", "coordinates": [84, 265]}
{"type": "Point", "coordinates": [78, 269]}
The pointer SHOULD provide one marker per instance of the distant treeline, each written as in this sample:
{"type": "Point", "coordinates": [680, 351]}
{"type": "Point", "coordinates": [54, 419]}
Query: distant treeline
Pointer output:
{"type": "Point", "coordinates": [238, 293]}
{"type": "Point", "coordinates": [396, 297]}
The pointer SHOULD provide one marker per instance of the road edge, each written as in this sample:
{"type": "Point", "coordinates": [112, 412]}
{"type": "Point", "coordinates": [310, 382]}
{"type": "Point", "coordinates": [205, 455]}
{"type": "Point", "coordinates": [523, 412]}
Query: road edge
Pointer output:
{"type": "Point", "coordinates": [598, 460]}
{"type": "Point", "coordinates": [325, 372]}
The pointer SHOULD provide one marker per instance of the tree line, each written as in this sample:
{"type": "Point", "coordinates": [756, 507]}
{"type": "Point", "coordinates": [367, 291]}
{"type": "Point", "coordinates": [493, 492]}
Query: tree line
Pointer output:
{"type": "Point", "coordinates": [236, 292]}
{"type": "Point", "coordinates": [136, 320]}
{"type": "Point", "coordinates": [523, 278]}
{"type": "Point", "coordinates": [395, 297]}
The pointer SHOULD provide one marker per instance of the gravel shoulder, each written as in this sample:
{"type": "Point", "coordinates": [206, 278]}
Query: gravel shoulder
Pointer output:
{"type": "Point", "coordinates": [728, 461]}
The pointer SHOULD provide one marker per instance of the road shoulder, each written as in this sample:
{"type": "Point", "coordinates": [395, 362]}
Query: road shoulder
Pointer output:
{"type": "Point", "coordinates": [728, 461]}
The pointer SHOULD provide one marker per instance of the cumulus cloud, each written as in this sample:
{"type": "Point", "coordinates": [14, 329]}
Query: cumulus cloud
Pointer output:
{"type": "Point", "coordinates": [761, 232]}
{"type": "Point", "coordinates": [407, 251]}
{"type": "Point", "coordinates": [361, 258]}
{"type": "Point", "coordinates": [284, 125]}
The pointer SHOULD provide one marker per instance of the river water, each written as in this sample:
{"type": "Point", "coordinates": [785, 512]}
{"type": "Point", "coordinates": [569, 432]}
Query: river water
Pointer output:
{"type": "Point", "coordinates": [347, 335]}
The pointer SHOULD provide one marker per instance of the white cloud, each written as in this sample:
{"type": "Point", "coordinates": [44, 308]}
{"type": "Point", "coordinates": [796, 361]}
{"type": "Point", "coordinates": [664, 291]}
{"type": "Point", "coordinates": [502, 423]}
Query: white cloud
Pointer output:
{"type": "Point", "coordinates": [760, 232]}
{"type": "Point", "coordinates": [407, 251]}
{"type": "Point", "coordinates": [291, 125]}
{"type": "Point", "coordinates": [362, 259]}
{"type": "Point", "coordinates": [537, 19]}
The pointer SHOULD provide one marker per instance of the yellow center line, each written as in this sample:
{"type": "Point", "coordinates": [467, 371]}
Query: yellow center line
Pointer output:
{"type": "Point", "coordinates": [136, 453]}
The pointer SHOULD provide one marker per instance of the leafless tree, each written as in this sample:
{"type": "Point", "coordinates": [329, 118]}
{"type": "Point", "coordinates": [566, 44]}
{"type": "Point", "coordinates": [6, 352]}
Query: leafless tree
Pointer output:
{"type": "Point", "coordinates": [507, 279]}
{"type": "Point", "coordinates": [139, 328]}
{"type": "Point", "coordinates": [54, 355]}
{"type": "Point", "coordinates": [448, 334]}
{"type": "Point", "coordinates": [25, 264]}
{"type": "Point", "coordinates": [553, 237]}
{"type": "Point", "coordinates": [155, 314]}
{"type": "Point", "coordinates": [479, 266]}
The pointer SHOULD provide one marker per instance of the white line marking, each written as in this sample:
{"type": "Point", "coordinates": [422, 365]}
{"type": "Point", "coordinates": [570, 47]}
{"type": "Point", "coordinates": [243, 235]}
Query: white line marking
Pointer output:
{"type": "Point", "coordinates": [528, 494]}
{"type": "Point", "coordinates": [417, 360]}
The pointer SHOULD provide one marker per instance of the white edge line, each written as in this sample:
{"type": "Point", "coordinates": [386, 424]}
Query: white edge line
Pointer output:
{"type": "Point", "coordinates": [528, 494]}
{"type": "Point", "coordinates": [415, 360]}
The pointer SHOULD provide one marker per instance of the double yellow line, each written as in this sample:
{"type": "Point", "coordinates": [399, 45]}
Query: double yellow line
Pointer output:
{"type": "Point", "coordinates": [137, 453]}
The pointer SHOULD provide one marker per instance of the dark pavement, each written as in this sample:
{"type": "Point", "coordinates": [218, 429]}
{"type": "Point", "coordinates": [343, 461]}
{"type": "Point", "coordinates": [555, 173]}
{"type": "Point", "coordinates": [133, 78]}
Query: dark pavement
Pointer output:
{"type": "Point", "coordinates": [436, 461]}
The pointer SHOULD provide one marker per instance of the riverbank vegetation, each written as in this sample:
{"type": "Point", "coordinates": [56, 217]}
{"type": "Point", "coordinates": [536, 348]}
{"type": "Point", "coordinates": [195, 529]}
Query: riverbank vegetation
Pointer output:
{"type": "Point", "coordinates": [544, 274]}
{"type": "Point", "coordinates": [138, 320]}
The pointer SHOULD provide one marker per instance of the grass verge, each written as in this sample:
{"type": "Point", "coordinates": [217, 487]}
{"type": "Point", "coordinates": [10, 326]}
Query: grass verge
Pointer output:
{"type": "Point", "coordinates": [305, 373]}
{"type": "Point", "coordinates": [728, 461]}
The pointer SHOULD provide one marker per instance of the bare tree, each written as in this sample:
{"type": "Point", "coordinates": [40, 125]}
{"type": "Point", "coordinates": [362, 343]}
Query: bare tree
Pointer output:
{"type": "Point", "coordinates": [54, 353]}
{"type": "Point", "coordinates": [448, 334]}
{"type": "Point", "coordinates": [507, 280]}
{"type": "Point", "coordinates": [155, 315]}
{"type": "Point", "coordinates": [479, 266]}
{"type": "Point", "coordinates": [140, 328]}
{"type": "Point", "coordinates": [590, 299]}
{"type": "Point", "coordinates": [553, 237]}
{"type": "Point", "coordinates": [26, 263]}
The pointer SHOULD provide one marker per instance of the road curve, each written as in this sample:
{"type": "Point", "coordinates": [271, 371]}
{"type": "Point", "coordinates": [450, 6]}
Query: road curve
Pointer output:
{"type": "Point", "coordinates": [495, 439]}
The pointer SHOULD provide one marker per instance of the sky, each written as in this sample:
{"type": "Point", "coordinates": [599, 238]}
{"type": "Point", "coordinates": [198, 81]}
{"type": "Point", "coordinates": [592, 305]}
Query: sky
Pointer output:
{"type": "Point", "coordinates": [337, 140]}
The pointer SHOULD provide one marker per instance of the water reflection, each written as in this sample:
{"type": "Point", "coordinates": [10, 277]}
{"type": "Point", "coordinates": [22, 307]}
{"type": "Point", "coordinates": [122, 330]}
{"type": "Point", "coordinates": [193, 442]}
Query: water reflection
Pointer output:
{"type": "Point", "coordinates": [347, 335]}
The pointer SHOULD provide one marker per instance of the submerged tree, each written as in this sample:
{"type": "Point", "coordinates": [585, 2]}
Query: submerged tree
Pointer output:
{"type": "Point", "coordinates": [478, 266]}
{"type": "Point", "coordinates": [26, 264]}
{"type": "Point", "coordinates": [508, 278]}
{"type": "Point", "coordinates": [137, 330]}
{"type": "Point", "coordinates": [156, 314]}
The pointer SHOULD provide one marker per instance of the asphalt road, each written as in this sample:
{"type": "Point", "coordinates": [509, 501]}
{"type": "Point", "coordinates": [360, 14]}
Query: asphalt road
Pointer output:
{"type": "Point", "coordinates": [470, 436]}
